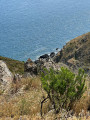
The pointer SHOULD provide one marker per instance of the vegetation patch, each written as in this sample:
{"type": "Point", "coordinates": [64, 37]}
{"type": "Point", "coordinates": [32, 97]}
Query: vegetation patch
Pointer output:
{"type": "Point", "coordinates": [14, 66]}
{"type": "Point", "coordinates": [63, 88]}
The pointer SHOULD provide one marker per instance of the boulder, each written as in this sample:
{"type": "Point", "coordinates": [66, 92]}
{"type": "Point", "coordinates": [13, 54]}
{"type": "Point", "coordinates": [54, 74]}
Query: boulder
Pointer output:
{"type": "Point", "coordinates": [28, 63]}
{"type": "Point", "coordinates": [36, 61]}
{"type": "Point", "coordinates": [52, 54]}
{"type": "Point", "coordinates": [45, 56]}
{"type": "Point", "coordinates": [58, 56]}
{"type": "Point", "coordinates": [84, 39]}
{"type": "Point", "coordinates": [30, 67]}
{"type": "Point", "coordinates": [17, 78]}
{"type": "Point", "coordinates": [6, 76]}
{"type": "Point", "coordinates": [57, 48]}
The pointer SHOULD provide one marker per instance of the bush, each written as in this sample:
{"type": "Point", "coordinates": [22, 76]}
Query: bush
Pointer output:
{"type": "Point", "coordinates": [63, 87]}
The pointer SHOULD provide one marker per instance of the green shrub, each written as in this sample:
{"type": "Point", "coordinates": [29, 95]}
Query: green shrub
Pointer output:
{"type": "Point", "coordinates": [63, 87]}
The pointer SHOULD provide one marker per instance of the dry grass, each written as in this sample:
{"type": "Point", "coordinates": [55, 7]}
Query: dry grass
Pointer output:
{"type": "Point", "coordinates": [26, 83]}
{"type": "Point", "coordinates": [15, 87]}
{"type": "Point", "coordinates": [31, 83]}
{"type": "Point", "coordinates": [26, 103]}
{"type": "Point", "coordinates": [84, 102]}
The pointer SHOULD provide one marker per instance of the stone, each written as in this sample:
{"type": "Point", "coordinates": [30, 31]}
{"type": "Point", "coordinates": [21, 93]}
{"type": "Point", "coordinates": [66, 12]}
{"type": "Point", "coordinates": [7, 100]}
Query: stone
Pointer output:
{"type": "Point", "coordinates": [58, 56]}
{"type": "Point", "coordinates": [30, 67]}
{"type": "Point", "coordinates": [27, 64]}
{"type": "Point", "coordinates": [16, 78]}
{"type": "Point", "coordinates": [36, 61]}
{"type": "Point", "coordinates": [84, 39]}
{"type": "Point", "coordinates": [45, 56]}
{"type": "Point", "coordinates": [57, 48]}
{"type": "Point", "coordinates": [6, 76]}
{"type": "Point", "coordinates": [52, 54]}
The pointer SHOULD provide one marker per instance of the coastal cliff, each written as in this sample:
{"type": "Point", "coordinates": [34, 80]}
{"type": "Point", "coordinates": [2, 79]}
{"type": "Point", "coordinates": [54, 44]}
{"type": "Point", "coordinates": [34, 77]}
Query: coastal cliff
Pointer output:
{"type": "Point", "coordinates": [74, 55]}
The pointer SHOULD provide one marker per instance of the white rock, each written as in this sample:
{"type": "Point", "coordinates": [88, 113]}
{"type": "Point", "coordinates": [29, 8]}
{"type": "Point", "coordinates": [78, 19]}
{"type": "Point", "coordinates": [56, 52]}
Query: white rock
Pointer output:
{"type": "Point", "coordinates": [6, 76]}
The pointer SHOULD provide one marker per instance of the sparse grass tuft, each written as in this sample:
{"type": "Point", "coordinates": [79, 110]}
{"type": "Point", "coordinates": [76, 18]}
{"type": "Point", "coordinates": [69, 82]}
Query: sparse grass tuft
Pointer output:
{"type": "Point", "coordinates": [31, 83]}
{"type": "Point", "coordinates": [82, 104]}
{"type": "Point", "coordinates": [24, 107]}
{"type": "Point", "coordinates": [15, 87]}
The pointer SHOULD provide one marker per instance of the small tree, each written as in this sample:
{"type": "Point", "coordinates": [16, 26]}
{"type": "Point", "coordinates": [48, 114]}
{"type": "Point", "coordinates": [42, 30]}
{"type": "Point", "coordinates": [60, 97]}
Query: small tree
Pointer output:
{"type": "Point", "coordinates": [63, 87]}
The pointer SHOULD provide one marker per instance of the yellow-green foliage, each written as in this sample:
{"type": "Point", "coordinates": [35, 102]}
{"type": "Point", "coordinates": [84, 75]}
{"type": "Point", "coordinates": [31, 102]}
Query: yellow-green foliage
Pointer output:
{"type": "Point", "coordinates": [15, 66]}
{"type": "Point", "coordinates": [63, 87]}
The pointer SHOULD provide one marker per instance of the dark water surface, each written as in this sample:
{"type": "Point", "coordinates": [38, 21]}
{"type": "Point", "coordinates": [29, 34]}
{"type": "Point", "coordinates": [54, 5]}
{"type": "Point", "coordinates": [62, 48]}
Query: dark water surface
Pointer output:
{"type": "Point", "coordinates": [29, 28]}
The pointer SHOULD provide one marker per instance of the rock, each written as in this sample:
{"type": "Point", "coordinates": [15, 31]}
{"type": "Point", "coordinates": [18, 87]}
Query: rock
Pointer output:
{"type": "Point", "coordinates": [58, 56]}
{"type": "Point", "coordinates": [84, 39]}
{"type": "Point", "coordinates": [72, 62]}
{"type": "Point", "coordinates": [6, 76]}
{"type": "Point", "coordinates": [30, 67]}
{"type": "Point", "coordinates": [27, 65]}
{"type": "Point", "coordinates": [52, 54]}
{"type": "Point", "coordinates": [45, 56]}
{"type": "Point", "coordinates": [36, 61]}
{"type": "Point", "coordinates": [52, 64]}
{"type": "Point", "coordinates": [16, 78]}
{"type": "Point", "coordinates": [57, 48]}
{"type": "Point", "coordinates": [36, 67]}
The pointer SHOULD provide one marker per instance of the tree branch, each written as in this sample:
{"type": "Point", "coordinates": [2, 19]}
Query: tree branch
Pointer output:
{"type": "Point", "coordinates": [43, 102]}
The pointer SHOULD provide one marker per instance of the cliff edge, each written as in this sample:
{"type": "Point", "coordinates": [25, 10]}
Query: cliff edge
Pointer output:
{"type": "Point", "coordinates": [76, 53]}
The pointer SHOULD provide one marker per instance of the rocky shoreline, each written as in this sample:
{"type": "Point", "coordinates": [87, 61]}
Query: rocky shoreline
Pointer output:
{"type": "Point", "coordinates": [74, 55]}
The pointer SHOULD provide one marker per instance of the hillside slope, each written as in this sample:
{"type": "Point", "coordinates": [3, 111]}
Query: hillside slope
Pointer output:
{"type": "Point", "coordinates": [23, 99]}
{"type": "Point", "coordinates": [76, 52]}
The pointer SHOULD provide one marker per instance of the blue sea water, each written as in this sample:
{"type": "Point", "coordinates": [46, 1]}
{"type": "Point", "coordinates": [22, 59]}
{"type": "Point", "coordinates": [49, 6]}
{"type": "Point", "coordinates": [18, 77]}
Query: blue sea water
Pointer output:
{"type": "Point", "coordinates": [30, 28]}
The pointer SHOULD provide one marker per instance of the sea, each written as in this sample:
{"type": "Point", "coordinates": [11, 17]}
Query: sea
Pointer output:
{"type": "Point", "coordinates": [30, 28]}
